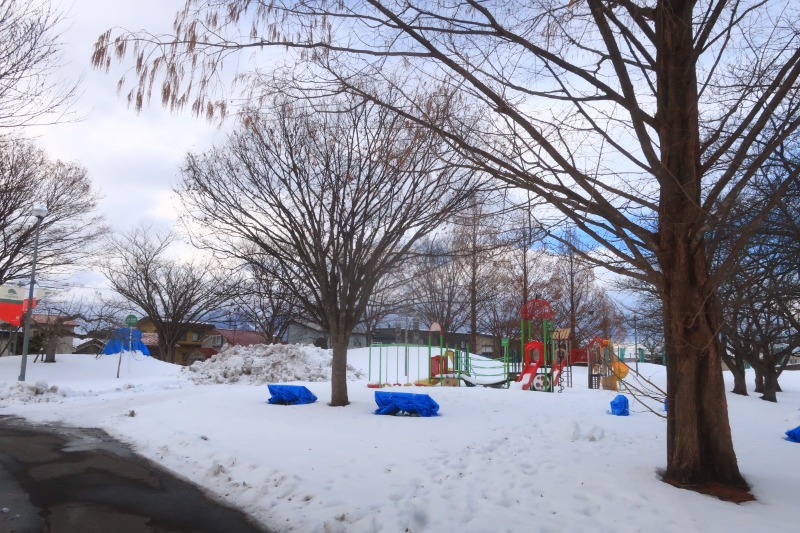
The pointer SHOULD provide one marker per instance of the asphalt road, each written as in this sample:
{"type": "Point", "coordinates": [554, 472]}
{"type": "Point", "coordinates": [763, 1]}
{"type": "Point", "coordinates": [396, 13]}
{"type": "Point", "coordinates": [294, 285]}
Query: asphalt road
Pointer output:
{"type": "Point", "coordinates": [66, 480]}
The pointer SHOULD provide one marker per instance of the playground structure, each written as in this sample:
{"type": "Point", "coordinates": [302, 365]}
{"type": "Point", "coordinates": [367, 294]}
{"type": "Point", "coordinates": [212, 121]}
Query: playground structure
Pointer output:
{"type": "Point", "coordinates": [604, 368]}
{"type": "Point", "coordinates": [546, 362]}
{"type": "Point", "coordinates": [546, 365]}
{"type": "Point", "coordinates": [407, 365]}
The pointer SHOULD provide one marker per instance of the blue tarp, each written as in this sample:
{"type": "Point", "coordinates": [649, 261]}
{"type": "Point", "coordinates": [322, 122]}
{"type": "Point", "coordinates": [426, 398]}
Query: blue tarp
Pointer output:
{"type": "Point", "coordinates": [793, 434]}
{"type": "Point", "coordinates": [290, 395]}
{"type": "Point", "coordinates": [125, 340]}
{"type": "Point", "coordinates": [392, 403]}
{"type": "Point", "coordinates": [619, 406]}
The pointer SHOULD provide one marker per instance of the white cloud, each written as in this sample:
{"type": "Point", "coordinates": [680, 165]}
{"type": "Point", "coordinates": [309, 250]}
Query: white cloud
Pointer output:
{"type": "Point", "coordinates": [133, 159]}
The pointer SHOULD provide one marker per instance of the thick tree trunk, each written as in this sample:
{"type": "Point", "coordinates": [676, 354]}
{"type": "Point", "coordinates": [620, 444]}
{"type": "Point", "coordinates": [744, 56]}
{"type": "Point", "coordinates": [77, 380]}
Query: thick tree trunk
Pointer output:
{"type": "Point", "coordinates": [759, 380]}
{"type": "Point", "coordinates": [739, 382]}
{"type": "Point", "coordinates": [736, 366]}
{"type": "Point", "coordinates": [699, 443]}
{"type": "Point", "coordinates": [770, 385]}
{"type": "Point", "coordinates": [700, 451]}
{"type": "Point", "coordinates": [167, 351]}
{"type": "Point", "coordinates": [339, 341]}
{"type": "Point", "coordinates": [50, 347]}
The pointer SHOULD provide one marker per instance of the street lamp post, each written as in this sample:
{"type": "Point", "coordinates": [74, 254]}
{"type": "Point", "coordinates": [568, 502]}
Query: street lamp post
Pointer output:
{"type": "Point", "coordinates": [39, 211]}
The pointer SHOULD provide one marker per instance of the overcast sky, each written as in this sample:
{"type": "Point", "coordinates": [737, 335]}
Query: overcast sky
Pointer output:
{"type": "Point", "coordinates": [133, 159]}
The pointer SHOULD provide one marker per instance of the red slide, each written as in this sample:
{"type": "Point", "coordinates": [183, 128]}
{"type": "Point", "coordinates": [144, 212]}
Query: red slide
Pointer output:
{"type": "Point", "coordinates": [534, 357]}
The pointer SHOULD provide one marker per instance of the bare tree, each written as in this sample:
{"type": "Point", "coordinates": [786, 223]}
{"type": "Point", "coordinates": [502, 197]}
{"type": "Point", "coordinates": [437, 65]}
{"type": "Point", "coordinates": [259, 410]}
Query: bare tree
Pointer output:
{"type": "Point", "coordinates": [522, 270]}
{"type": "Point", "coordinates": [69, 234]}
{"type": "Point", "coordinates": [101, 316]}
{"type": "Point", "coordinates": [29, 91]}
{"type": "Point", "coordinates": [640, 122]}
{"type": "Point", "coordinates": [173, 294]}
{"type": "Point", "coordinates": [391, 297]}
{"type": "Point", "coordinates": [759, 298]}
{"type": "Point", "coordinates": [760, 328]}
{"type": "Point", "coordinates": [265, 303]}
{"type": "Point", "coordinates": [526, 237]}
{"type": "Point", "coordinates": [480, 240]}
{"type": "Point", "coordinates": [335, 197]}
{"type": "Point", "coordinates": [438, 283]}
{"type": "Point", "coordinates": [580, 302]}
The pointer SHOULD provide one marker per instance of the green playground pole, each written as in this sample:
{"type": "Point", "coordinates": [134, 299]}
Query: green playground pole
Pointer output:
{"type": "Point", "coordinates": [544, 347]}
{"type": "Point", "coordinates": [387, 366]}
{"type": "Point", "coordinates": [380, 363]}
{"type": "Point", "coordinates": [506, 371]}
{"type": "Point", "coordinates": [418, 375]}
{"type": "Point", "coordinates": [442, 357]}
{"type": "Point", "coordinates": [546, 355]}
{"type": "Point", "coordinates": [430, 376]}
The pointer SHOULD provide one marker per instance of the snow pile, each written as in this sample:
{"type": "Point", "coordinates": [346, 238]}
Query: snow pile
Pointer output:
{"type": "Point", "coordinates": [267, 363]}
{"type": "Point", "coordinates": [23, 392]}
{"type": "Point", "coordinates": [82, 375]}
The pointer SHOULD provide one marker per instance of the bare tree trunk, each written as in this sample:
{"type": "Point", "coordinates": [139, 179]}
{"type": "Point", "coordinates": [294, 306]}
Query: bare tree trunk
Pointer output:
{"type": "Point", "coordinates": [739, 383]}
{"type": "Point", "coordinates": [697, 416]}
{"type": "Point", "coordinates": [700, 452]}
{"type": "Point", "coordinates": [759, 386]}
{"type": "Point", "coordinates": [736, 366]}
{"type": "Point", "coordinates": [50, 348]}
{"type": "Point", "coordinates": [167, 348]}
{"type": "Point", "coordinates": [770, 385]}
{"type": "Point", "coordinates": [339, 342]}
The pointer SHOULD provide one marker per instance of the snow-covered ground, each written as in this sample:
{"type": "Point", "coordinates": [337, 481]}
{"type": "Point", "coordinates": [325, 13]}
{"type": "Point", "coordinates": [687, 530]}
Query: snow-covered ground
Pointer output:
{"type": "Point", "coordinates": [494, 460]}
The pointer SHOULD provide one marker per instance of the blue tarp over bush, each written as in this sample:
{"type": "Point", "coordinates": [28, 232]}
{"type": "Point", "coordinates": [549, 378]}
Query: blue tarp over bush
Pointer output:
{"type": "Point", "coordinates": [793, 434]}
{"type": "Point", "coordinates": [392, 403]}
{"type": "Point", "coordinates": [125, 340]}
{"type": "Point", "coordinates": [290, 395]}
{"type": "Point", "coordinates": [619, 406]}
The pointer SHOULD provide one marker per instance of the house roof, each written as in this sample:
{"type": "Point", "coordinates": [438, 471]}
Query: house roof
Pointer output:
{"type": "Point", "coordinates": [87, 342]}
{"type": "Point", "coordinates": [52, 319]}
{"type": "Point", "coordinates": [90, 343]}
{"type": "Point", "coordinates": [187, 325]}
{"type": "Point", "coordinates": [359, 329]}
{"type": "Point", "coordinates": [242, 337]}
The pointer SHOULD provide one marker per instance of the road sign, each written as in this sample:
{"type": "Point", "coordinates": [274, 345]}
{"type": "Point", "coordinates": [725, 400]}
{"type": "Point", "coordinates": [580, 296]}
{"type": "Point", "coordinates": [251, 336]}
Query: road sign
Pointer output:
{"type": "Point", "coordinates": [130, 320]}
{"type": "Point", "coordinates": [504, 342]}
